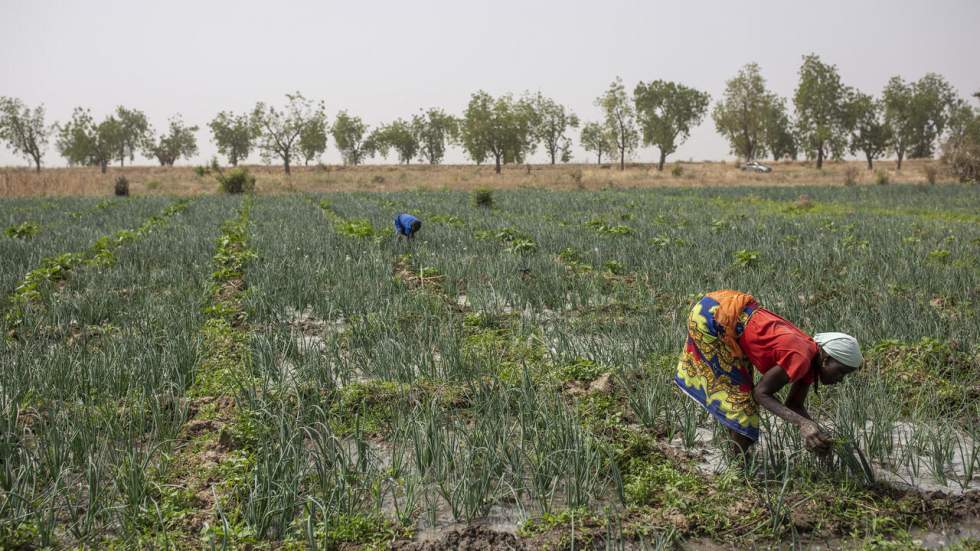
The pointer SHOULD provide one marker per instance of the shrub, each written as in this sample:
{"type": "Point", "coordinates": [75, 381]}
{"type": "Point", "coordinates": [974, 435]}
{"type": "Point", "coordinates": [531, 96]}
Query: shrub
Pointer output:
{"type": "Point", "coordinates": [677, 171]}
{"type": "Point", "coordinates": [152, 185]}
{"type": "Point", "coordinates": [850, 176]}
{"type": "Point", "coordinates": [881, 178]}
{"type": "Point", "coordinates": [931, 173]}
{"type": "Point", "coordinates": [483, 197]}
{"type": "Point", "coordinates": [201, 171]}
{"type": "Point", "coordinates": [122, 186]}
{"type": "Point", "coordinates": [577, 176]}
{"type": "Point", "coordinates": [236, 180]}
{"type": "Point", "coordinates": [377, 179]}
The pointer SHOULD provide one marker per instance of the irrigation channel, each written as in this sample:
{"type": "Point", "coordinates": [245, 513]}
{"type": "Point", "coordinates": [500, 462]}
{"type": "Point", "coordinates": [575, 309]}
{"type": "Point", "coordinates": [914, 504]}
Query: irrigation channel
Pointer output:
{"type": "Point", "coordinates": [274, 372]}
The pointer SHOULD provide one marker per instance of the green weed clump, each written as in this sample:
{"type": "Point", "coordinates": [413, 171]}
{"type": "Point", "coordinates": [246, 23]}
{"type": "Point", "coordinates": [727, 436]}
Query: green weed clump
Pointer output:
{"type": "Point", "coordinates": [370, 531]}
{"type": "Point", "coordinates": [24, 230]}
{"type": "Point", "coordinates": [600, 226]}
{"type": "Point", "coordinates": [746, 258]}
{"type": "Point", "coordinates": [358, 227]}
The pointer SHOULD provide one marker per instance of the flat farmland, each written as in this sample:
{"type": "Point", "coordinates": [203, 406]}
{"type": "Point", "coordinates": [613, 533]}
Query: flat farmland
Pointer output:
{"type": "Point", "coordinates": [276, 371]}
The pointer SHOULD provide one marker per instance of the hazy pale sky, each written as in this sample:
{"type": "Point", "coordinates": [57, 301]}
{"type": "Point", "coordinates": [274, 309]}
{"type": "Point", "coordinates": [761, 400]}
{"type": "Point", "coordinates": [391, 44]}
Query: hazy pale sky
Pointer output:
{"type": "Point", "coordinates": [386, 59]}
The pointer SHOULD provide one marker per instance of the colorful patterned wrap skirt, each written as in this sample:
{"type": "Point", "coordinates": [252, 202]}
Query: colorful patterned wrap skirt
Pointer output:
{"type": "Point", "coordinates": [712, 369]}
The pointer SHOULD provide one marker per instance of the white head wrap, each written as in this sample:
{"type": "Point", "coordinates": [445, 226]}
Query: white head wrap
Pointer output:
{"type": "Point", "coordinates": [841, 347]}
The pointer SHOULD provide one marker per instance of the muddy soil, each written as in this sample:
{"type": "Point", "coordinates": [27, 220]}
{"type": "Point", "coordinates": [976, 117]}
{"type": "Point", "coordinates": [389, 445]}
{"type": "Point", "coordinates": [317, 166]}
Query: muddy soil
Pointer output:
{"type": "Point", "coordinates": [470, 538]}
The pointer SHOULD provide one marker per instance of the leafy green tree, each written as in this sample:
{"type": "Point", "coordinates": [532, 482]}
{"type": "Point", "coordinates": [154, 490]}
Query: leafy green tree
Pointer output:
{"type": "Point", "coordinates": [83, 142]}
{"type": "Point", "coordinates": [897, 98]}
{"type": "Point", "coordinates": [502, 128]}
{"type": "Point", "coordinates": [821, 109]}
{"type": "Point", "coordinates": [553, 121]}
{"type": "Point", "coordinates": [777, 129]}
{"type": "Point", "coordinates": [741, 114]}
{"type": "Point", "coordinates": [349, 134]}
{"type": "Point", "coordinates": [234, 135]}
{"type": "Point", "coordinates": [435, 129]}
{"type": "Point", "coordinates": [179, 141]}
{"type": "Point", "coordinates": [595, 138]}
{"type": "Point", "coordinates": [961, 150]}
{"type": "Point", "coordinates": [933, 99]}
{"type": "Point", "coordinates": [667, 112]}
{"type": "Point", "coordinates": [869, 133]}
{"type": "Point", "coordinates": [280, 130]}
{"type": "Point", "coordinates": [620, 120]}
{"type": "Point", "coordinates": [23, 129]}
{"type": "Point", "coordinates": [135, 133]}
{"type": "Point", "coordinates": [401, 136]}
{"type": "Point", "coordinates": [313, 139]}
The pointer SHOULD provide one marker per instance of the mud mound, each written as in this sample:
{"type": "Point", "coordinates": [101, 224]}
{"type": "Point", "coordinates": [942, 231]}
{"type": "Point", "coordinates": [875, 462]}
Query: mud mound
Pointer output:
{"type": "Point", "coordinates": [471, 538]}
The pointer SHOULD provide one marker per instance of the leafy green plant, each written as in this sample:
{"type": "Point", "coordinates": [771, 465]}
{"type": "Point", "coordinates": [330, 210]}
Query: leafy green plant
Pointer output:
{"type": "Point", "coordinates": [359, 227]}
{"type": "Point", "coordinates": [746, 257]}
{"type": "Point", "coordinates": [24, 230]}
{"type": "Point", "coordinates": [600, 226]}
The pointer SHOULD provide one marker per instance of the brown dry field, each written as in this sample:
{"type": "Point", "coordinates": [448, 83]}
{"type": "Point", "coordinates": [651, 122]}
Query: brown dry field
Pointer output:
{"type": "Point", "coordinates": [146, 180]}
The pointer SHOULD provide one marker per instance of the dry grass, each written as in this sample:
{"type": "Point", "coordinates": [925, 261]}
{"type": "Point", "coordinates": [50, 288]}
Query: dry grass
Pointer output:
{"type": "Point", "coordinates": [271, 179]}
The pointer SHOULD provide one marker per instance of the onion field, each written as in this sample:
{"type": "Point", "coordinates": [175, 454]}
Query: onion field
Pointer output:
{"type": "Point", "coordinates": [278, 372]}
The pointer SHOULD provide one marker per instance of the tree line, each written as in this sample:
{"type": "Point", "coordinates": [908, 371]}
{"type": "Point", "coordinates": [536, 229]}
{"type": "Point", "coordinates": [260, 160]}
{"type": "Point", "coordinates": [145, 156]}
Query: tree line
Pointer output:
{"type": "Point", "coordinates": [828, 119]}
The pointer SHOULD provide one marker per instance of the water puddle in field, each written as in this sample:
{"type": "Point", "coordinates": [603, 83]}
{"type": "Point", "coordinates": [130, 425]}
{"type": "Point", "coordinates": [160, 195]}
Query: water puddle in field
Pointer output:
{"type": "Point", "coordinates": [309, 330]}
{"type": "Point", "coordinates": [948, 535]}
{"type": "Point", "coordinates": [912, 464]}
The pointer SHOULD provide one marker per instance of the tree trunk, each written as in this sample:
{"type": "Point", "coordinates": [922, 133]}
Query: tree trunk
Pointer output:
{"type": "Point", "coordinates": [870, 159]}
{"type": "Point", "coordinates": [820, 157]}
{"type": "Point", "coordinates": [497, 159]}
{"type": "Point", "coordinates": [599, 159]}
{"type": "Point", "coordinates": [553, 156]}
{"type": "Point", "coordinates": [663, 159]}
{"type": "Point", "coordinates": [901, 154]}
{"type": "Point", "coordinates": [103, 165]}
{"type": "Point", "coordinates": [285, 161]}
{"type": "Point", "coordinates": [622, 158]}
{"type": "Point", "coordinates": [37, 164]}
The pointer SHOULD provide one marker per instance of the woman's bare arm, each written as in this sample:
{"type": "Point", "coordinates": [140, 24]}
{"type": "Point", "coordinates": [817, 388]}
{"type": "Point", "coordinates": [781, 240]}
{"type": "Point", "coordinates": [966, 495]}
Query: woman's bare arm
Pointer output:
{"type": "Point", "coordinates": [765, 395]}
{"type": "Point", "coordinates": [796, 400]}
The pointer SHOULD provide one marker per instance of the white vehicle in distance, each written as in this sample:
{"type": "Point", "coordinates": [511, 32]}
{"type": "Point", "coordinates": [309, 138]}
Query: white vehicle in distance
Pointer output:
{"type": "Point", "coordinates": [753, 166]}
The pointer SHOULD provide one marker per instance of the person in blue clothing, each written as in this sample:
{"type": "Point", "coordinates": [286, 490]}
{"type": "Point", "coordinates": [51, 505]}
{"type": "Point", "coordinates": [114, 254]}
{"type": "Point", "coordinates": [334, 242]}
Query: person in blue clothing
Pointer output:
{"type": "Point", "coordinates": [406, 225]}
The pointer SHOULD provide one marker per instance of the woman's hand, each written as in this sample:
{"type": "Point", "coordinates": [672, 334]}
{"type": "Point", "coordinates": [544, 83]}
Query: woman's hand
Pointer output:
{"type": "Point", "coordinates": [814, 438]}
